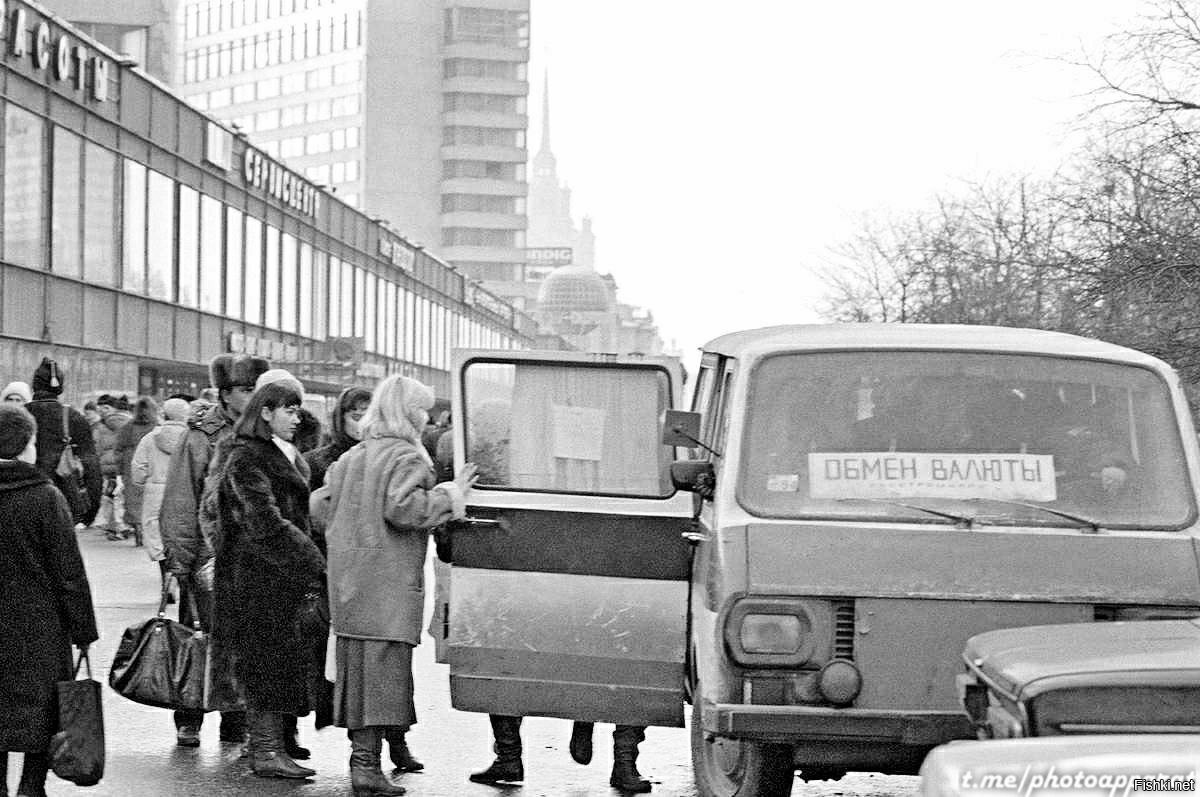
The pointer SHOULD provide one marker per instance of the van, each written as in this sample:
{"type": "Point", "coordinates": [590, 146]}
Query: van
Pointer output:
{"type": "Point", "coordinates": [803, 553]}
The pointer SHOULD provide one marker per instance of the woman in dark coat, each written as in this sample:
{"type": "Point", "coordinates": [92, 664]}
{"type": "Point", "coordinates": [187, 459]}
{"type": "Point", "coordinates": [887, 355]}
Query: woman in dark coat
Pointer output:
{"type": "Point", "coordinates": [145, 420]}
{"type": "Point", "coordinates": [45, 601]}
{"type": "Point", "coordinates": [343, 433]}
{"type": "Point", "coordinates": [265, 564]}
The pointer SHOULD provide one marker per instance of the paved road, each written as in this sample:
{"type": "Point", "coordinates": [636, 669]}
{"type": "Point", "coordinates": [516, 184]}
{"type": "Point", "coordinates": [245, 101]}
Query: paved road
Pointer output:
{"type": "Point", "coordinates": [143, 758]}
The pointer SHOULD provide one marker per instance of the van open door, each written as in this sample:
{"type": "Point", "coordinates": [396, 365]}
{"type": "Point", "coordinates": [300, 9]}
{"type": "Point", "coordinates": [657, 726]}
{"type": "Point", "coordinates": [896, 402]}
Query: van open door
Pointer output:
{"type": "Point", "coordinates": [569, 585]}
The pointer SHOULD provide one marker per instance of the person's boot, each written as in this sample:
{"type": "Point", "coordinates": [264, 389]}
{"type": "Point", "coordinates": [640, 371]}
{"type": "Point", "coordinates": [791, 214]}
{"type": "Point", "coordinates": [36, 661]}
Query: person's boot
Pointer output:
{"type": "Point", "coordinates": [581, 742]}
{"type": "Point", "coordinates": [233, 727]}
{"type": "Point", "coordinates": [625, 775]}
{"type": "Point", "coordinates": [267, 757]}
{"type": "Point", "coordinates": [402, 757]}
{"type": "Point", "coordinates": [507, 768]}
{"type": "Point", "coordinates": [3, 773]}
{"type": "Point", "coordinates": [291, 743]}
{"type": "Point", "coordinates": [366, 776]}
{"type": "Point", "coordinates": [187, 728]}
{"type": "Point", "coordinates": [33, 775]}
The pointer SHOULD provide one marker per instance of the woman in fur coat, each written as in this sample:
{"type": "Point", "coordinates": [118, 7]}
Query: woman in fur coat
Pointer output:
{"type": "Point", "coordinates": [266, 562]}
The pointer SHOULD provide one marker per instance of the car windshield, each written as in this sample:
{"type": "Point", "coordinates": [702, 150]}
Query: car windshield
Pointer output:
{"type": "Point", "coordinates": [987, 438]}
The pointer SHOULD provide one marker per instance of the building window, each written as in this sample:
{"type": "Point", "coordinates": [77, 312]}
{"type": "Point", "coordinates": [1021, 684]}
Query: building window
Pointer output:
{"type": "Point", "coordinates": [291, 147]}
{"type": "Point", "coordinates": [483, 103]}
{"type": "Point", "coordinates": [24, 217]}
{"type": "Point", "coordinates": [306, 290]}
{"type": "Point", "coordinates": [293, 83]}
{"type": "Point", "coordinates": [360, 303]}
{"type": "Point", "coordinates": [99, 224]}
{"type": "Point", "coordinates": [318, 111]}
{"type": "Point", "coordinates": [243, 93]}
{"type": "Point", "coordinates": [487, 26]}
{"type": "Point", "coordinates": [254, 270]}
{"type": "Point", "coordinates": [219, 98]}
{"type": "Point", "coordinates": [160, 240]}
{"type": "Point", "coordinates": [211, 249]}
{"type": "Point", "coordinates": [317, 144]}
{"type": "Point", "coordinates": [271, 278]}
{"type": "Point", "coordinates": [347, 308]}
{"type": "Point", "coordinates": [345, 106]}
{"type": "Point", "coordinates": [319, 78]}
{"type": "Point", "coordinates": [266, 120]}
{"type": "Point", "coordinates": [289, 117]}
{"type": "Point", "coordinates": [234, 256]}
{"type": "Point", "coordinates": [335, 297]}
{"type": "Point", "coordinates": [66, 241]}
{"type": "Point", "coordinates": [268, 88]}
{"type": "Point", "coordinates": [467, 236]}
{"type": "Point", "coordinates": [320, 295]}
{"type": "Point", "coordinates": [288, 280]}
{"type": "Point", "coordinates": [476, 203]}
{"type": "Point", "coordinates": [389, 314]}
{"type": "Point", "coordinates": [371, 314]}
{"type": "Point", "coordinates": [133, 227]}
{"type": "Point", "coordinates": [189, 246]}
{"type": "Point", "coordinates": [347, 72]}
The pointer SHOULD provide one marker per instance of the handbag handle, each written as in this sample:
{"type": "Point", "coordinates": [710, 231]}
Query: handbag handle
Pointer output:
{"type": "Point", "coordinates": [66, 412]}
{"type": "Point", "coordinates": [82, 659]}
{"type": "Point", "coordinates": [191, 599]}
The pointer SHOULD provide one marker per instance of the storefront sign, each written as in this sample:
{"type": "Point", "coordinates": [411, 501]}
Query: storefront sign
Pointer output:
{"type": "Point", "coordinates": [550, 256]}
{"type": "Point", "coordinates": [288, 187]}
{"type": "Point", "coordinates": [53, 51]}
{"type": "Point", "coordinates": [492, 304]}
{"type": "Point", "coordinates": [897, 474]}
{"type": "Point", "coordinates": [396, 253]}
{"type": "Point", "coordinates": [274, 350]}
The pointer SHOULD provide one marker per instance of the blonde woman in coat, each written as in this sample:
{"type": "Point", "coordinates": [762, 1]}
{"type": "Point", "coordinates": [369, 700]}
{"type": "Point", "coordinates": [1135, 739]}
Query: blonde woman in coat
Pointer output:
{"type": "Point", "coordinates": [148, 470]}
{"type": "Point", "coordinates": [383, 502]}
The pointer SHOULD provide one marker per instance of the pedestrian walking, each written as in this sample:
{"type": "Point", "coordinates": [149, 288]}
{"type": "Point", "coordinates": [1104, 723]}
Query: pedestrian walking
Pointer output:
{"type": "Point", "coordinates": [145, 419]}
{"type": "Point", "coordinates": [344, 433]}
{"type": "Point", "coordinates": [17, 393]}
{"type": "Point", "coordinates": [148, 471]}
{"type": "Point", "coordinates": [187, 537]}
{"type": "Point", "coordinates": [266, 563]}
{"type": "Point", "coordinates": [45, 601]}
{"type": "Point", "coordinates": [383, 502]}
{"type": "Point", "coordinates": [113, 418]}
{"type": "Point", "coordinates": [48, 412]}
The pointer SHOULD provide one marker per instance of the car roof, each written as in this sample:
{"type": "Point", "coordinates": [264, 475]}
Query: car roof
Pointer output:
{"type": "Point", "coordinates": [753, 343]}
{"type": "Point", "coordinates": [1018, 658]}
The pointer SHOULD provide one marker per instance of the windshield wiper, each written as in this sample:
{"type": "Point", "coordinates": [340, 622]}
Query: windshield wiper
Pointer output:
{"type": "Point", "coordinates": [1089, 525]}
{"type": "Point", "coordinates": [961, 521]}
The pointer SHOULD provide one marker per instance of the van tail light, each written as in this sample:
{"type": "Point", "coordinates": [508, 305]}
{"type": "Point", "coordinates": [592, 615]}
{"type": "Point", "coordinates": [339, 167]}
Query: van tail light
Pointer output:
{"type": "Point", "coordinates": [773, 634]}
{"type": "Point", "coordinates": [776, 632]}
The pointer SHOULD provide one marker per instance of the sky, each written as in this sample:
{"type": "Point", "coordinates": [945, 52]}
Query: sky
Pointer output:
{"type": "Point", "coordinates": [723, 150]}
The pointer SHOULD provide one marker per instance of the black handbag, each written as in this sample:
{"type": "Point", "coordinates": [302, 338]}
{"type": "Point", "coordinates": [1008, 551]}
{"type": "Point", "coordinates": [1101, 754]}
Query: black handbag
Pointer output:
{"type": "Point", "coordinates": [69, 471]}
{"type": "Point", "coordinates": [77, 750]}
{"type": "Point", "coordinates": [161, 662]}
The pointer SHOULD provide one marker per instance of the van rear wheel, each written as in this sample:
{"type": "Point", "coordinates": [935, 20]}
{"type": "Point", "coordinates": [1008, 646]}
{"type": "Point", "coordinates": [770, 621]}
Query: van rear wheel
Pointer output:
{"type": "Point", "coordinates": [726, 767]}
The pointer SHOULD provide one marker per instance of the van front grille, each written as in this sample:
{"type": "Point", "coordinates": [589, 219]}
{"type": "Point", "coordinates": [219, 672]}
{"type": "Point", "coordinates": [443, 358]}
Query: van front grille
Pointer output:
{"type": "Point", "coordinates": [843, 630]}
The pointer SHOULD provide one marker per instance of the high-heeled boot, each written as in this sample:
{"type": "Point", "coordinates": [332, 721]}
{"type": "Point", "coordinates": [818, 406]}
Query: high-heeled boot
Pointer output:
{"type": "Point", "coordinates": [33, 775]}
{"type": "Point", "coordinates": [625, 775]}
{"type": "Point", "coordinates": [507, 768]}
{"type": "Point", "coordinates": [402, 757]}
{"type": "Point", "coordinates": [268, 759]}
{"type": "Point", "coordinates": [581, 742]}
{"type": "Point", "coordinates": [366, 775]}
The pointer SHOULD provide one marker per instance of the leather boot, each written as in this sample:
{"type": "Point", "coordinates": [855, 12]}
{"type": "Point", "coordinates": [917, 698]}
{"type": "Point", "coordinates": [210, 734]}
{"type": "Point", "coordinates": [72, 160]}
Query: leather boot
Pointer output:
{"type": "Point", "coordinates": [625, 775]}
{"type": "Point", "coordinates": [402, 757]}
{"type": "Point", "coordinates": [507, 768]}
{"type": "Point", "coordinates": [581, 742]}
{"type": "Point", "coordinates": [267, 757]}
{"type": "Point", "coordinates": [233, 727]}
{"type": "Point", "coordinates": [366, 776]}
{"type": "Point", "coordinates": [33, 775]}
{"type": "Point", "coordinates": [291, 743]}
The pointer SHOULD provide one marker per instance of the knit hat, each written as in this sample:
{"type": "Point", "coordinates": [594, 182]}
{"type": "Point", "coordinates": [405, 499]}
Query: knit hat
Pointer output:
{"type": "Point", "coordinates": [19, 389]}
{"type": "Point", "coordinates": [16, 428]}
{"type": "Point", "coordinates": [48, 378]}
{"type": "Point", "coordinates": [176, 409]}
{"type": "Point", "coordinates": [279, 375]}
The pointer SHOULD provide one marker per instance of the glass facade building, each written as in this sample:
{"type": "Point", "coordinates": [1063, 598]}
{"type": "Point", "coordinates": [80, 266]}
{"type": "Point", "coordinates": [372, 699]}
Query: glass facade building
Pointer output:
{"type": "Point", "coordinates": [139, 237]}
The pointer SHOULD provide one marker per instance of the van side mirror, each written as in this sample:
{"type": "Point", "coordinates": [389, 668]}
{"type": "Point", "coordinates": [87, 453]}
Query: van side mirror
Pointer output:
{"type": "Point", "coordinates": [693, 476]}
{"type": "Point", "coordinates": [681, 428]}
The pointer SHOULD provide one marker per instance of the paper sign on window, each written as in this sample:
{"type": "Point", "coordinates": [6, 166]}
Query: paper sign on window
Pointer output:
{"type": "Point", "coordinates": [896, 474]}
{"type": "Point", "coordinates": [578, 432]}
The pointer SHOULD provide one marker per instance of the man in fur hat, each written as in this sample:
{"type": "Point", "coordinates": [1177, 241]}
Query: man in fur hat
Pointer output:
{"type": "Point", "coordinates": [187, 540]}
{"type": "Point", "coordinates": [48, 411]}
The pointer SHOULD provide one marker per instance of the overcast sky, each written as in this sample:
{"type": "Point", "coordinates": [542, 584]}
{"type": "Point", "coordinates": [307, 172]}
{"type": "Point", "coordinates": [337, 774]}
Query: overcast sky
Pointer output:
{"type": "Point", "coordinates": [722, 149]}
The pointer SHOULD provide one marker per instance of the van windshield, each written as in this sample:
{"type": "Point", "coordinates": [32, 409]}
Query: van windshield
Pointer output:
{"type": "Point", "coordinates": [851, 434]}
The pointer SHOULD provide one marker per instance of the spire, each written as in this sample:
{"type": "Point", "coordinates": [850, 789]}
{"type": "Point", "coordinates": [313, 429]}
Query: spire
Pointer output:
{"type": "Point", "coordinates": [546, 113]}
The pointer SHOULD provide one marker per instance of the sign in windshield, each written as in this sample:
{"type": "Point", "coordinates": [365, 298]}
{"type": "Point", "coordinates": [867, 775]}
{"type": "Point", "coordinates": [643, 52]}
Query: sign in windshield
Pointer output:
{"type": "Point", "coordinates": [853, 433]}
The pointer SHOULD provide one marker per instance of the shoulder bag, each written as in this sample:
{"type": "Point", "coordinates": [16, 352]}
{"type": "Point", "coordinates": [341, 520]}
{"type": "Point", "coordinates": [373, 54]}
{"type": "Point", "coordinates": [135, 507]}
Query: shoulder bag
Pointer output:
{"type": "Point", "coordinates": [70, 472]}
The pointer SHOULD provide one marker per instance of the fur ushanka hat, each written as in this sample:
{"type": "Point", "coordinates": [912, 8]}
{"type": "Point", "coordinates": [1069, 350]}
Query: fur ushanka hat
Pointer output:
{"type": "Point", "coordinates": [228, 371]}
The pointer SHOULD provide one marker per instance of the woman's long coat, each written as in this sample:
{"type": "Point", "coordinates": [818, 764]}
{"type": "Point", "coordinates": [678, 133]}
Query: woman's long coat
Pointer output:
{"type": "Point", "coordinates": [383, 504]}
{"type": "Point", "coordinates": [266, 562]}
{"type": "Point", "coordinates": [45, 604]}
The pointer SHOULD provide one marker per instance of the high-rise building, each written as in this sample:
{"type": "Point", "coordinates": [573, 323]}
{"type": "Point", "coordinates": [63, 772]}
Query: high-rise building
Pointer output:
{"type": "Point", "coordinates": [412, 110]}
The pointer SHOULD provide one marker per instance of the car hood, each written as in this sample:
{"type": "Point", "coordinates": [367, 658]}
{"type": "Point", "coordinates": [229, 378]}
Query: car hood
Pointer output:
{"type": "Point", "coordinates": [1018, 659]}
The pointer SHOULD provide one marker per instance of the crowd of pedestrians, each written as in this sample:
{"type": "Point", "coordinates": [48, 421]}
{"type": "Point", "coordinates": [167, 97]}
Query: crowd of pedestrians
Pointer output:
{"type": "Point", "coordinates": [278, 532]}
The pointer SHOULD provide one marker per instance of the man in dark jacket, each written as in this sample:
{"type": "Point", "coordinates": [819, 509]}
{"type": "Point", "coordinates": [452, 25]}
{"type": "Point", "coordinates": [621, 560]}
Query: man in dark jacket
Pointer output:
{"type": "Point", "coordinates": [113, 418]}
{"type": "Point", "coordinates": [48, 411]}
{"type": "Point", "coordinates": [187, 543]}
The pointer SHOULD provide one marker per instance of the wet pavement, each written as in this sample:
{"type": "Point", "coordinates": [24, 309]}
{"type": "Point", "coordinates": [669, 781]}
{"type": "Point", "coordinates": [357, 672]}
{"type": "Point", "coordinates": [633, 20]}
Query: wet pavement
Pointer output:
{"type": "Point", "coordinates": [142, 758]}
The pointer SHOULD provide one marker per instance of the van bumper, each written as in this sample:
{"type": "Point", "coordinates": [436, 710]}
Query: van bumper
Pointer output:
{"type": "Point", "coordinates": [809, 723]}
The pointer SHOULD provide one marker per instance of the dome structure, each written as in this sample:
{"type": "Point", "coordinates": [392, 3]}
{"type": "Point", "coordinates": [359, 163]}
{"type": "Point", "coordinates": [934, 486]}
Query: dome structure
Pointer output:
{"type": "Point", "coordinates": [574, 289]}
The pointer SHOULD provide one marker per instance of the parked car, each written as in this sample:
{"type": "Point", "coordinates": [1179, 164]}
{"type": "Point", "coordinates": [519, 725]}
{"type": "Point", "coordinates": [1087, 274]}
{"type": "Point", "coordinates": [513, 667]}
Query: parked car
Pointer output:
{"type": "Point", "coordinates": [1096, 678]}
{"type": "Point", "coordinates": [1075, 766]}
